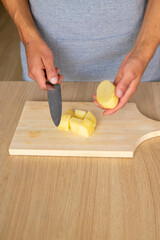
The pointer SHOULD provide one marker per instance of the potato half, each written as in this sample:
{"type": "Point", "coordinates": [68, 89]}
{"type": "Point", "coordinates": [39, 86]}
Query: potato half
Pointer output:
{"type": "Point", "coordinates": [106, 96]}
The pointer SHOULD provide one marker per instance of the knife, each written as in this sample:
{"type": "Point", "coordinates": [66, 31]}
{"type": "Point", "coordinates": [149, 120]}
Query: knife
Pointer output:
{"type": "Point", "coordinates": [55, 102]}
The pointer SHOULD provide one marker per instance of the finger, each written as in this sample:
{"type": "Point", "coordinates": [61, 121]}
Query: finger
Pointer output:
{"type": "Point", "coordinates": [41, 79]}
{"type": "Point", "coordinates": [94, 96]}
{"type": "Point", "coordinates": [124, 83]}
{"type": "Point", "coordinates": [111, 111]}
{"type": "Point", "coordinates": [36, 72]}
{"type": "Point", "coordinates": [60, 78]}
{"type": "Point", "coordinates": [117, 79]}
{"type": "Point", "coordinates": [123, 100]}
{"type": "Point", "coordinates": [118, 76]}
{"type": "Point", "coordinates": [57, 71]}
{"type": "Point", "coordinates": [120, 71]}
{"type": "Point", "coordinates": [98, 105]}
{"type": "Point", "coordinates": [50, 70]}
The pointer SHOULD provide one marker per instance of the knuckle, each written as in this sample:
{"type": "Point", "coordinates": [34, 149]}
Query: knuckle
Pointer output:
{"type": "Point", "coordinates": [30, 74]}
{"type": "Point", "coordinates": [42, 86]}
{"type": "Point", "coordinates": [49, 56]}
{"type": "Point", "coordinates": [57, 70]}
{"type": "Point", "coordinates": [134, 90]}
{"type": "Point", "coordinates": [121, 106]}
{"type": "Point", "coordinates": [126, 67]}
{"type": "Point", "coordinates": [50, 69]}
{"type": "Point", "coordinates": [125, 85]}
{"type": "Point", "coordinates": [51, 73]}
{"type": "Point", "coordinates": [32, 70]}
{"type": "Point", "coordinates": [119, 76]}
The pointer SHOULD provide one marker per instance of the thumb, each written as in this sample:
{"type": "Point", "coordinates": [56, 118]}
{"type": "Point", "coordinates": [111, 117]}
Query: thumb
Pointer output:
{"type": "Point", "coordinates": [51, 71]}
{"type": "Point", "coordinates": [122, 86]}
{"type": "Point", "coordinates": [52, 74]}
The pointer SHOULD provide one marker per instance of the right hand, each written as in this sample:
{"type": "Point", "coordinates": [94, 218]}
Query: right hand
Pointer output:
{"type": "Point", "coordinates": [40, 58]}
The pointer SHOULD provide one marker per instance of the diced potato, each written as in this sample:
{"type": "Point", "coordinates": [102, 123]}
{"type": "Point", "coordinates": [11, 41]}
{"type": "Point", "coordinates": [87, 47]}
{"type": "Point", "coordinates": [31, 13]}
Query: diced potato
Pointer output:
{"type": "Point", "coordinates": [78, 121]}
{"type": "Point", "coordinates": [65, 122]}
{"type": "Point", "coordinates": [106, 94]}
{"type": "Point", "coordinates": [81, 127]}
{"type": "Point", "coordinates": [70, 112]}
{"type": "Point", "coordinates": [87, 128]}
{"type": "Point", "coordinates": [91, 117]}
{"type": "Point", "coordinates": [80, 114]}
{"type": "Point", "coordinates": [75, 124]}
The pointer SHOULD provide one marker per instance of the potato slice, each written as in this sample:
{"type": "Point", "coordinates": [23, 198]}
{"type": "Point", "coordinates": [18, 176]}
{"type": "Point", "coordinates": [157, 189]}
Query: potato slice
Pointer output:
{"type": "Point", "coordinates": [91, 117]}
{"type": "Point", "coordinates": [65, 122]}
{"type": "Point", "coordinates": [81, 127]}
{"type": "Point", "coordinates": [106, 94]}
{"type": "Point", "coordinates": [70, 112]}
{"type": "Point", "coordinates": [80, 114]}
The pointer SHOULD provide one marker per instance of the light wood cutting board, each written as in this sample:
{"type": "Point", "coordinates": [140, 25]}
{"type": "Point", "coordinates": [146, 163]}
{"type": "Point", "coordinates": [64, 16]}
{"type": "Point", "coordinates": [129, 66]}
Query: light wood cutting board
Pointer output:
{"type": "Point", "coordinates": [115, 135]}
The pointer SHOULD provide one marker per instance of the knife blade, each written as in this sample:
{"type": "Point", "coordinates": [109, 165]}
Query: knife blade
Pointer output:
{"type": "Point", "coordinates": [55, 102]}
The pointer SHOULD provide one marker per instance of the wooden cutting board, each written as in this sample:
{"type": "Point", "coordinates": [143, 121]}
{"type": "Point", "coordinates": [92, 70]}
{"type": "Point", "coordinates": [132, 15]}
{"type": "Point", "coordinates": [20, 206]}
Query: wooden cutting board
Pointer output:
{"type": "Point", "coordinates": [115, 135]}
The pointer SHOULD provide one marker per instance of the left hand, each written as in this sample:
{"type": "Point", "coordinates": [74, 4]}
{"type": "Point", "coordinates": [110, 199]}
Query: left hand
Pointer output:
{"type": "Point", "coordinates": [126, 81]}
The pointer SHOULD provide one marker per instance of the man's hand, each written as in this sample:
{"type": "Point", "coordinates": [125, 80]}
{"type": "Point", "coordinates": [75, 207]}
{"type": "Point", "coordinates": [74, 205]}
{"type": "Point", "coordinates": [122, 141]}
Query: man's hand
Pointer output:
{"type": "Point", "coordinates": [134, 64]}
{"type": "Point", "coordinates": [40, 58]}
{"type": "Point", "coordinates": [126, 81]}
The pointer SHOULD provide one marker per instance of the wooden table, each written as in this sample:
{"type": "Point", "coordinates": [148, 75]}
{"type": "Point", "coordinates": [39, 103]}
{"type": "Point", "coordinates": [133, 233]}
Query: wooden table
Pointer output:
{"type": "Point", "coordinates": [66, 198]}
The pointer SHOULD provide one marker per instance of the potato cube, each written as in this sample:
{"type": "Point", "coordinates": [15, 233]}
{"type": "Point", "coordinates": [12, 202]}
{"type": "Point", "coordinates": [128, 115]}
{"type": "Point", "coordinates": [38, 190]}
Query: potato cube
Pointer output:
{"type": "Point", "coordinates": [65, 122]}
{"type": "Point", "coordinates": [80, 114]}
{"type": "Point", "coordinates": [91, 117]}
{"type": "Point", "coordinates": [70, 112]}
{"type": "Point", "coordinates": [82, 127]}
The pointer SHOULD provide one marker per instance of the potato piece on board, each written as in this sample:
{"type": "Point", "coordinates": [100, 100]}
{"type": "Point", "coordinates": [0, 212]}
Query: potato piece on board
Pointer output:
{"type": "Point", "coordinates": [70, 112]}
{"type": "Point", "coordinates": [91, 117]}
{"type": "Point", "coordinates": [87, 128]}
{"type": "Point", "coordinates": [65, 122]}
{"type": "Point", "coordinates": [80, 114]}
{"type": "Point", "coordinates": [81, 127]}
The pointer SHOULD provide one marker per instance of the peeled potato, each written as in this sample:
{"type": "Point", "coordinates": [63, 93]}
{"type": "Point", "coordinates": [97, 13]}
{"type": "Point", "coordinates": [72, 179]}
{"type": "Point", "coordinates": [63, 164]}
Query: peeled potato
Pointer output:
{"type": "Point", "coordinates": [75, 124]}
{"type": "Point", "coordinates": [80, 114]}
{"type": "Point", "coordinates": [70, 112]}
{"type": "Point", "coordinates": [65, 122]}
{"type": "Point", "coordinates": [81, 127]}
{"type": "Point", "coordinates": [91, 117]}
{"type": "Point", "coordinates": [106, 94]}
{"type": "Point", "coordinates": [78, 121]}
{"type": "Point", "coordinates": [87, 128]}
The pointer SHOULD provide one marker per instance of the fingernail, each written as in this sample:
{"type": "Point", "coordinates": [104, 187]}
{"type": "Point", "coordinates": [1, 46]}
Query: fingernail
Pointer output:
{"type": "Point", "coordinates": [119, 93]}
{"type": "Point", "coordinates": [53, 80]}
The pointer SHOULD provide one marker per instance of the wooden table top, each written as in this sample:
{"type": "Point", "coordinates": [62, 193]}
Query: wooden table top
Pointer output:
{"type": "Point", "coordinates": [68, 198]}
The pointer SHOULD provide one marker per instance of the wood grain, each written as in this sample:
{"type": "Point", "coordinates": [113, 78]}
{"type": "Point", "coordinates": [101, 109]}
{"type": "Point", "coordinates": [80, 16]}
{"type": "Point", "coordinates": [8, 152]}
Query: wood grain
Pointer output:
{"type": "Point", "coordinates": [116, 135]}
{"type": "Point", "coordinates": [46, 198]}
{"type": "Point", "coordinates": [10, 63]}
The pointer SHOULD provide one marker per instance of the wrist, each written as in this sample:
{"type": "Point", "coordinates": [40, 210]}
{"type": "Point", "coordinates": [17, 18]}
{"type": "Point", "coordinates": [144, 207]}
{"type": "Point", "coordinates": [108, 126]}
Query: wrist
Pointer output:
{"type": "Point", "coordinates": [29, 34]}
{"type": "Point", "coordinates": [26, 28]}
{"type": "Point", "coordinates": [144, 49]}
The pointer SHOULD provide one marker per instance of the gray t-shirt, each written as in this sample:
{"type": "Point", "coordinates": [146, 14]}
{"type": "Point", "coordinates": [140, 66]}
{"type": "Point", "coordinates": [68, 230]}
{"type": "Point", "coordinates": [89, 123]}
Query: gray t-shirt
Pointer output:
{"type": "Point", "coordinates": [90, 38]}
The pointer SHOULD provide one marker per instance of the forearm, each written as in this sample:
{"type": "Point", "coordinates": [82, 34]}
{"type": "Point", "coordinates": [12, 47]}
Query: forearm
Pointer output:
{"type": "Point", "coordinates": [20, 13]}
{"type": "Point", "coordinates": [149, 36]}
